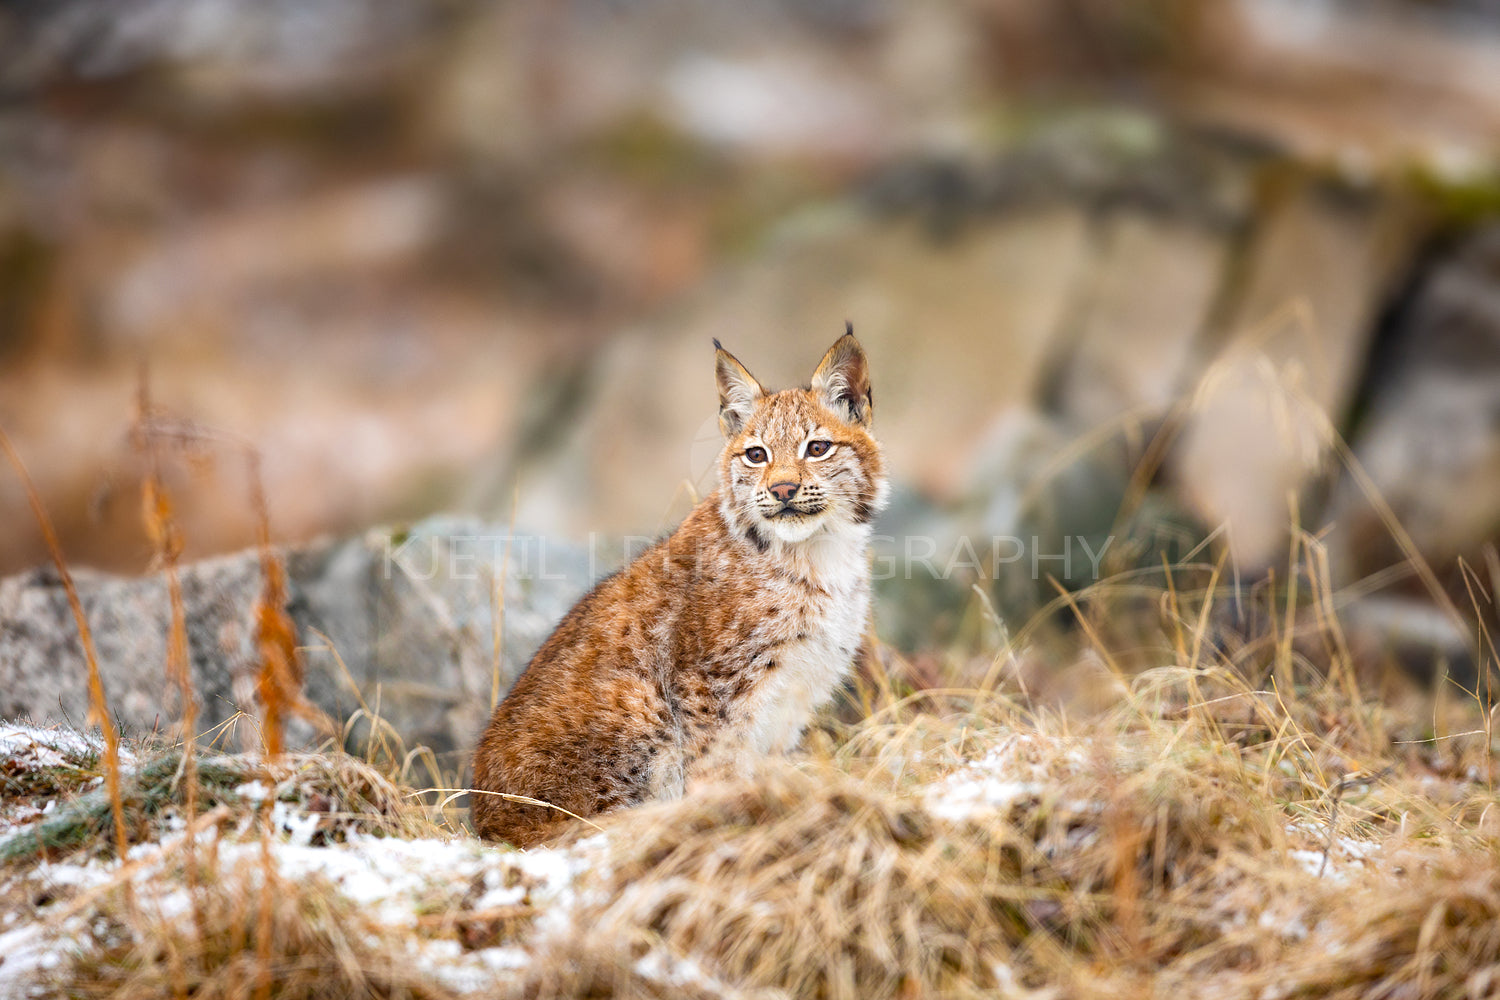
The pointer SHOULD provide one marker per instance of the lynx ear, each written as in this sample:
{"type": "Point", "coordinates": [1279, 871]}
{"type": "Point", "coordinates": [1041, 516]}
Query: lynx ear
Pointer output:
{"type": "Point", "coordinates": [738, 391]}
{"type": "Point", "coordinates": [842, 380]}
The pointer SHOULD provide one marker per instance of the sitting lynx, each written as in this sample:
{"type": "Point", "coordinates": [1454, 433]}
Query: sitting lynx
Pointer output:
{"type": "Point", "coordinates": [721, 640]}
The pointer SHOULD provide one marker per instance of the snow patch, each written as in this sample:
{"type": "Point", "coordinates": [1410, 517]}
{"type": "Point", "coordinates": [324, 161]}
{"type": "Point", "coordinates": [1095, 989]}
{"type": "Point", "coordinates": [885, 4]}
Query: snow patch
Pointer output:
{"type": "Point", "coordinates": [1020, 767]}
{"type": "Point", "coordinates": [51, 747]}
{"type": "Point", "coordinates": [395, 882]}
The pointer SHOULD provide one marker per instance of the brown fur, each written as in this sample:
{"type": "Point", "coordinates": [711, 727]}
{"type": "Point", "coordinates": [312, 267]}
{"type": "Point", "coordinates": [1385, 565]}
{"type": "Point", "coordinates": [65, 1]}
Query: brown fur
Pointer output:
{"type": "Point", "coordinates": [719, 642]}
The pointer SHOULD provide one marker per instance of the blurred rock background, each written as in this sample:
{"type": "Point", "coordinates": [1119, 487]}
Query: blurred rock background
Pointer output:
{"type": "Point", "coordinates": [1125, 269]}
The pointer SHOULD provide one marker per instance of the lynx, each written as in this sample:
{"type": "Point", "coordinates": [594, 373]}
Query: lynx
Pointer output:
{"type": "Point", "coordinates": [717, 644]}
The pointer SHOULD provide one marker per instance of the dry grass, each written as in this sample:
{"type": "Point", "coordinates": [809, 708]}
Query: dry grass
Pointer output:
{"type": "Point", "coordinates": [1192, 833]}
{"type": "Point", "coordinates": [952, 846]}
{"type": "Point", "coordinates": [1242, 819]}
{"type": "Point", "coordinates": [593, 968]}
{"type": "Point", "coordinates": [342, 793]}
{"type": "Point", "coordinates": [316, 944]}
{"type": "Point", "coordinates": [98, 701]}
{"type": "Point", "coordinates": [1437, 935]}
{"type": "Point", "coordinates": [1195, 789]}
{"type": "Point", "coordinates": [761, 877]}
{"type": "Point", "coordinates": [1141, 854]}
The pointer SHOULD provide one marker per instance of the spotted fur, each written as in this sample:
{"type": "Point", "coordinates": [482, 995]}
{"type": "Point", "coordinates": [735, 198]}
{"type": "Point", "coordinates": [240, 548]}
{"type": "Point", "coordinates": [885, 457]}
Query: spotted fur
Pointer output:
{"type": "Point", "coordinates": [717, 644]}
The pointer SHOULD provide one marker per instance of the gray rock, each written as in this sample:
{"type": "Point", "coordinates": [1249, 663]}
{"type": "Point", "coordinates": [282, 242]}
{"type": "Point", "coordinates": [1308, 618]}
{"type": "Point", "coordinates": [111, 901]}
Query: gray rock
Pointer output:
{"type": "Point", "coordinates": [278, 47]}
{"type": "Point", "coordinates": [1036, 509]}
{"type": "Point", "coordinates": [955, 337]}
{"type": "Point", "coordinates": [399, 625]}
{"type": "Point", "coordinates": [1430, 436]}
{"type": "Point", "coordinates": [1316, 274]}
{"type": "Point", "coordinates": [1419, 637]}
{"type": "Point", "coordinates": [1134, 346]}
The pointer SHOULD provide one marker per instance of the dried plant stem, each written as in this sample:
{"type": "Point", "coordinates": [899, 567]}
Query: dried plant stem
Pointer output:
{"type": "Point", "coordinates": [166, 539]}
{"type": "Point", "coordinates": [279, 679]}
{"type": "Point", "coordinates": [263, 918]}
{"type": "Point", "coordinates": [279, 686]}
{"type": "Point", "coordinates": [1285, 676]}
{"type": "Point", "coordinates": [98, 703]}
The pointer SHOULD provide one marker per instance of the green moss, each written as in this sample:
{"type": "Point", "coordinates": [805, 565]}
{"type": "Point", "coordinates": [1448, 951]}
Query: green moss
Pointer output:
{"type": "Point", "coordinates": [1459, 201]}
{"type": "Point", "coordinates": [146, 793]}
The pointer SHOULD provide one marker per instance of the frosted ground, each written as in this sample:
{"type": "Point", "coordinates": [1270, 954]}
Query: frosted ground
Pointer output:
{"type": "Point", "coordinates": [470, 918]}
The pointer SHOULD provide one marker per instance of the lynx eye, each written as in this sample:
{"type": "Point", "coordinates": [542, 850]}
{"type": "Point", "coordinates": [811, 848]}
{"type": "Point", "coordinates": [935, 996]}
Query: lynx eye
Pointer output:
{"type": "Point", "coordinates": [818, 449]}
{"type": "Point", "coordinates": [755, 456]}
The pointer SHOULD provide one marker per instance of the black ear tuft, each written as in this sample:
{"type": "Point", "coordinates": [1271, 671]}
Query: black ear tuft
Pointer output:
{"type": "Point", "coordinates": [842, 380]}
{"type": "Point", "coordinates": [718, 346]}
{"type": "Point", "coordinates": [738, 391]}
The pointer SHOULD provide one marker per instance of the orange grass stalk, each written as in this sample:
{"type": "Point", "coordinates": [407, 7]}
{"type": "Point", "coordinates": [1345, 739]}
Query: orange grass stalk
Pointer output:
{"type": "Point", "coordinates": [278, 652]}
{"type": "Point", "coordinates": [279, 686]}
{"type": "Point", "coordinates": [166, 543]}
{"type": "Point", "coordinates": [279, 682]}
{"type": "Point", "coordinates": [98, 704]}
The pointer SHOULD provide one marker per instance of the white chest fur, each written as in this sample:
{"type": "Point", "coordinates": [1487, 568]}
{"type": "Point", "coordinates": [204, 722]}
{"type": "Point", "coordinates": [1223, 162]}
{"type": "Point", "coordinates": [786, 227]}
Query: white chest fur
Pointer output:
{"type": "Point", "coordinates": [808, 671]}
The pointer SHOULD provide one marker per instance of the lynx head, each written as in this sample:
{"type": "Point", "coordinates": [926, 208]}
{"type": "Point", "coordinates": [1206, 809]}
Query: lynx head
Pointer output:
{"type": "Point", "coordinates": [800, 462]}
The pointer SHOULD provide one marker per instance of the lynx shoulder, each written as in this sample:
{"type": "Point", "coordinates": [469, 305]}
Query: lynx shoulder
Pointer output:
{"type": "Point", "coordinates": [720, 642]}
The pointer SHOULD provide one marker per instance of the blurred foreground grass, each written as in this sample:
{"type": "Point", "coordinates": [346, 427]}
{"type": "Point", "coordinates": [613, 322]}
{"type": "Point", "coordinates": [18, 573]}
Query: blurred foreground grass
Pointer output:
{"type": "Point", "coordinates": [1185, 826]}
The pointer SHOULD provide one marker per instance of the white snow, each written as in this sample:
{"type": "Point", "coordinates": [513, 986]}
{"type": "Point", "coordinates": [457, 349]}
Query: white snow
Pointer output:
{"type": "Point", "coordinates": [50, 747]}
{"type": "Point", "coordinates": [253, 791]}
{"type": "Point", "coordinates": [1311, 861]}
{"type": "Point", "coordinates": [393, 881]}
{"type": "Point", "coordinates": [30, 749]}
{"type": "Point", "coordinates": [57, 875]}
{"type": "Point", "coordinates": [962, 796]}
{"type": "Point", "coordinates": [670, 970]}
{"type": "Point", "coordinates": [1311, 844]}
{"type": "Point", "coordinates": [298, 825]}
{"type": "Point", "coordinates": [19, 816]}
{"type": "Point", "coordinates": [465, 971]}
{"type": "Point", "coordinates": [402, 884]}
{"type": "Point", "coordinates": [29, 950]}
{"type": "Point", "coordinates": [1019, 767]}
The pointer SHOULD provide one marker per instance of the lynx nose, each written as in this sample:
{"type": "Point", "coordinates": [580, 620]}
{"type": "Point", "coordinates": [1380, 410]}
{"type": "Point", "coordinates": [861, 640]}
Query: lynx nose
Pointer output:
{"type": "Point", "coordinates": [784, 491]}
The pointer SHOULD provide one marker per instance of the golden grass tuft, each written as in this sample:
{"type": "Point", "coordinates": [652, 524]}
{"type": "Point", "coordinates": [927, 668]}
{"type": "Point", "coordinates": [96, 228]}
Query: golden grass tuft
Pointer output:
{"type": "Point", "coordinates": [813, 881]}
{"type": "Point", "coordinates": [595, 968]}
{"type": "Point", "coordinates": [1197, 835]}
{"type": "Point", "coordinates": [344, 793]}
{"type": "Point", "coordinates": [822, 885]}
{"type": "Point", "coordinates": [1439, 936]}
{"type": "Point", "coordinates": [315, 945]}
